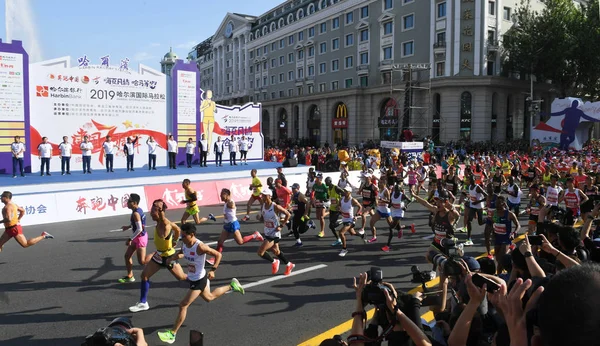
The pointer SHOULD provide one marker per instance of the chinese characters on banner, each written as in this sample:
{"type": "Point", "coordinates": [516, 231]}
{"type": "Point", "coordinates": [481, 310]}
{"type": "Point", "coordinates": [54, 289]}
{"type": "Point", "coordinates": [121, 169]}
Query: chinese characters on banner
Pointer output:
{"type": "Point", "coordinates": [12, 93]}
{"type": "Point", "coordinates": [467, 30]}
{"type": "Point", "coordinates": [84, 204]}
{"type": "Point", "coordinates": [173, 194]}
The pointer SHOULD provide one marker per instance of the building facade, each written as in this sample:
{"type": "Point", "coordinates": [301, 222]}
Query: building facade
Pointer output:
{"type": "Point", "coordinates": [349, 70]}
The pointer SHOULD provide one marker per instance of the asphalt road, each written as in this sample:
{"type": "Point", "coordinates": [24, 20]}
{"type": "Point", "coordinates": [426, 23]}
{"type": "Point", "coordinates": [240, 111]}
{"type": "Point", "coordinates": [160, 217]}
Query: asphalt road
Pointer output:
{"type": "Point", "coordinates": [61, 290]}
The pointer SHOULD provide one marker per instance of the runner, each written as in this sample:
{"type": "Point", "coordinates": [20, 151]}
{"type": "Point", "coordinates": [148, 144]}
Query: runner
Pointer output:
{"type": "Point", "coordinates": [11, 218]}
{"type": "Point", "coordinates": [490, 207]}
{"type": "Point", "coordinates": [504, 232]}
{"type": "Point", "coordinates": [368, 191]}
{"type": "Point", "coordinates": [347, 204]}
{"type": "Point", "coordinates": [383, 209]}
{"type": "Point", "coordinates": [231, 226]}
{"type": "Point", "coordinates": [166, 234]}
{"type": "Point", "coordinates": [300, 217]}
{"type": "Point", "coordinates": [310, 182]}
{"type": "Point", "coordinates": [192, 208]}
{"type": "Point", "coordinates": [514, 196]}
{"type": "Point", "coordinates": [195, 251]}
{"type": "Point", "coordinates": [335, 194]}
{"type": "Point", "coordinates": [320, 199]}
{"type": "Point", "coordinates": [256, 188]}
{"type": "Point", "coordinates": [477, 197]}
{"type": "Point", "coordinates": [397, 199]}
{"type": "Point", "coordinates": [138, 241]}
{"type": "Point", "coordinates": [573, 198]}
{"type": "Point", "coordinates": [553, 192]}
{"type": "Point", "coordinates": [272, 234]}
{"type": "Point", "coordinates": [536, 202]}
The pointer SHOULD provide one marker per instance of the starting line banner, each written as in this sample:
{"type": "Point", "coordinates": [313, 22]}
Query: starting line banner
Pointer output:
{"type": "Point", "coordinates": [416, 147]}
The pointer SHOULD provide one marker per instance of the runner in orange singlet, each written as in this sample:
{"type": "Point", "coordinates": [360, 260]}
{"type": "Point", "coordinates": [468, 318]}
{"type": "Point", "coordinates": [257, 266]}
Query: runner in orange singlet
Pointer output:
{"type": "Point", "coordinates": [11, 216]}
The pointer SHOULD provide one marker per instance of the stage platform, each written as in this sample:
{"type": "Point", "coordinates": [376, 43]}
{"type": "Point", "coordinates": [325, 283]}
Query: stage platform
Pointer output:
{"type": "Point", "coordinates": [35, 183]}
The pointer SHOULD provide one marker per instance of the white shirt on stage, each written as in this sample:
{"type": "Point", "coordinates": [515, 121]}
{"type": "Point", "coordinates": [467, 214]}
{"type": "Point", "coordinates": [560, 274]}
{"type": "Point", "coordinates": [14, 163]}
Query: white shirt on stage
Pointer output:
{"type": "Point", "coordinates": [233, 147]}
{"type": "Point", "coordinates": [109, 147]}
{"type": "Point", "coordinates": [45, 150]}
{"type": "Point", "coordinates": [243, 145]}
{"type": "Point", "coordinates": [18, 149]}
{"type": "Point", "coordinates": [203, 145]}
{"type": "Point", "coordinates": [172, 146]}
{"type": "Point", "coordinates": [189, 148]}
{"type": "Point", "coordinates": [151, 147]}
{"type": "Point", "coordinates": [65, 149]}
{"type": "Point", "coordinates": [86, 148]}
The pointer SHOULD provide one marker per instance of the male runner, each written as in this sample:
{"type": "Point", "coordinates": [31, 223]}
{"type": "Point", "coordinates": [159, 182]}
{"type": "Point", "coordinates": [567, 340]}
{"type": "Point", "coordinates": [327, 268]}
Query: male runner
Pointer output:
{"type": "Point", "coordinates": [192, 208]}
{"type": "Point", "coordinates": [256, 188]}
{"type": "Point", "coordinates": [11, 216]}
{"type": "Point", "coordinates": [231, 226]}
{"type": "Point", "coordinates": [166, 234]}
{"type": "Point", "coordinates": [195, 251]}
{"type": "Point", "coordinates": [536, 202]}
{"type": "Point", "coordinates": [504, 232]}
{"type": "Point", "coordinates": [477, 197]}
{"type": "Point", "coordinates": [138, 241]}
{"type": "Point", "coordinates": [270, 214]}
{"type": "Point", "coordinates": [300, 217]}
{"type": "Point", "coordinates": [321, 199]}
{"type": "Point", "coordinates": [368, 191]}
{"type": "Point", "coordinates": [347, 204]}
{"type": "Point", "coordinates": [397, 205]}
{"type": "Point", "coordinates": [335, 195]}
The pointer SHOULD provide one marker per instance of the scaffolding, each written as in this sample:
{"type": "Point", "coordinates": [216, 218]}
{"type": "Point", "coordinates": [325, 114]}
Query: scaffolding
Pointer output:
{"type": "Point", "coordinates": [416, 114]}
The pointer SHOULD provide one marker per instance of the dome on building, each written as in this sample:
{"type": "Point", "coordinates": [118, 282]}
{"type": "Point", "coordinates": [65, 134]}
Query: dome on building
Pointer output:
{"type": "Point", "coordinates": [170, 55]}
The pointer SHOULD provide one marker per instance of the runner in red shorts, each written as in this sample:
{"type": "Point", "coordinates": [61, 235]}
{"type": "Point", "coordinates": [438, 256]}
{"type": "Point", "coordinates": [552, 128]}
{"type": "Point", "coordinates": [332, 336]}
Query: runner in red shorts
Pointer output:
{"type": "Point", "coordinates": [11, 216]}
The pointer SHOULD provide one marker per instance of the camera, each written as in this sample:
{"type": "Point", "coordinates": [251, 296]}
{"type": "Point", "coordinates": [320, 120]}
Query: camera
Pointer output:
{"type": "Point", "coordinates": [115, 332]}
{"type": "Point", "coordinates": [420, 277]}
{"type": "Point", "coordinates": [373, 293]}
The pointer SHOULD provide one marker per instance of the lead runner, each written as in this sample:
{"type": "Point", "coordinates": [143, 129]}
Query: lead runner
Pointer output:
{"type": "Point", "coordinates": [11, 216]}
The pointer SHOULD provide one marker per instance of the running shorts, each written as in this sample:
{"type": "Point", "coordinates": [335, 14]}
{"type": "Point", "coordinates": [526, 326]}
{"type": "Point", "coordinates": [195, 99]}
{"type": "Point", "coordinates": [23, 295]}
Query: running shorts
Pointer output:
{"type": "Point", "coordinates": [200, 285]}
{"type": "Point", "coordinates": [192, 210]}
{"type": "Point", "coordinates": [502, 239]}
{"type": "Point", "coordinates": [140, 241]}
{"type": "Point", "coordinates": [383, 215]}
{"type": "Point", "coordinates": [162, 261]}
{"type": "Point", "coordinates": [231, 227]}
{"type": "Point", "coordinates": [272, 239]}
{"type": "Point", "coordinates": [14, 230]}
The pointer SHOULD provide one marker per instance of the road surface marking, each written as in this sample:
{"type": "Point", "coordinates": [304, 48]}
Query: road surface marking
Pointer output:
{"type": "Point", "coordinates": [281, 277]}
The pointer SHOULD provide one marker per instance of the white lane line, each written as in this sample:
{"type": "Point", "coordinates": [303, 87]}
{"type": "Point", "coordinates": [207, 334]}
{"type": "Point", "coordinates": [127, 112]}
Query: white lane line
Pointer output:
{"type": "Point", "coordinates": [209, 244]}
{"type": "Point", "coordinates": [281, 277]}
{"type": "Point", "coordinates": [429, 237]}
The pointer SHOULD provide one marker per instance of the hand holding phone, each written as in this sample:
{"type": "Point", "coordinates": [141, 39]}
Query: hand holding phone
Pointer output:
{"type": "Point", "coordinates": [534, 240]}
{"type": "Point", "coordinates": [479, 281]}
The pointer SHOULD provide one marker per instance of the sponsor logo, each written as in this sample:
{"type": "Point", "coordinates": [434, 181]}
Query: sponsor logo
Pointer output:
{"type": "Point", "coordinates": [41, 91]}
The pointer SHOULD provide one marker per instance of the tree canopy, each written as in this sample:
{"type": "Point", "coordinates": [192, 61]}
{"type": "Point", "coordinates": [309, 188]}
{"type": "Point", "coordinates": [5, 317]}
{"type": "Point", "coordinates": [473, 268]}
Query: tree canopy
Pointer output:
{"type": "Point", "coordinates": [560, 43]}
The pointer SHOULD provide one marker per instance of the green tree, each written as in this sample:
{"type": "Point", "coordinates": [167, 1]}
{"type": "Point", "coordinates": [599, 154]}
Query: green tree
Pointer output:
{"type": "Point", "coordinates": [557, 43]}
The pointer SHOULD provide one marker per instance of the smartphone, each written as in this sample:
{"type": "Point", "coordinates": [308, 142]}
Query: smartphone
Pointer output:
{"type": "Point", "coordinates": [196, 338]}
{"type": "Point", "coordinates": [479, 281]}
{"type": "Point", "coordinates": [534, 240]}
{"type": "Point", "coordinates": [431, 300]}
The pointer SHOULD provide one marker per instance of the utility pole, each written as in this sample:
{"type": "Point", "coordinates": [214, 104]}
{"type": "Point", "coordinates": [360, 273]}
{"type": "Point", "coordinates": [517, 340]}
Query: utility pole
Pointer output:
{"type": "Point", "coordinates": [533, 106]}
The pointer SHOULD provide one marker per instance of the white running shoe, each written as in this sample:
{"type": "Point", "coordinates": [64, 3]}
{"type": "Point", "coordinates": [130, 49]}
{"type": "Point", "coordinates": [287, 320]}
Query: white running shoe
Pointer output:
{"type": "Point", "coordinates": [139, 307]}
{"type": "Point", "coordinates": [469, 242]}
{"type": "Point", "coordinates": [343, 253]}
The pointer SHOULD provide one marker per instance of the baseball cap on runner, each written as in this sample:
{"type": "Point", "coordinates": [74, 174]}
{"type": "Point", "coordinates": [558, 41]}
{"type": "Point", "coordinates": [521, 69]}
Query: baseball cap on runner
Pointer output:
{"type": "Point", "coordinates": [295, 186]}
{"type": "Point", "coordinates": [348, 188]}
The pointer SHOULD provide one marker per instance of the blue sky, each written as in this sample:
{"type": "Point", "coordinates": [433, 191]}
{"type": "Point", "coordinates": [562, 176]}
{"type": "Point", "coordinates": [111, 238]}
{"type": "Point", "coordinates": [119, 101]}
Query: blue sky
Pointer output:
{"type": "Point", "coordinates": [142, 30]}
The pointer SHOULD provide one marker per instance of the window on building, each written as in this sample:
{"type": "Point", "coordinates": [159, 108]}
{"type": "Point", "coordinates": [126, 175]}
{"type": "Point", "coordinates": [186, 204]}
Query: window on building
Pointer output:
{"type": "Point", "coordinates": [364, 58]}
{"type": "Point", "coordinates": [290, 57]}
{"type": "Point", "coordinates": [388, 28]}
{"type": "Point", "coordinates": [301, 54]}
{"type": "Point", "coordinates": [506, 14]}
{"type": "Point", "coordinates": [408, 22]}
{"type": "Point", "coordinates": [311, 32]}
{"type": "Point", "coordinates": [311, 88]}
{"type": "Point", "coordinates": [227, 63]}
{"type": "Point", "coordinates": [323, 28]}
{"type": "Point", "coordinates": [273, 61]}
{"type": "Point", "coordinates": [265, 81]}
{"type": "Point", "coordinates": [491, 36]}
{"type": "Point", "coordinates": [258, 52]}
{"type": "Point", "coordinates": [491, 68]}
{"type": "Point", "coordinates": [257, 68]}
{"type": "Point", "coordinates": [335, 85]}
{"type": "Point", "coordinates": [348, 83]}
{"type": "Point", "coordinates": [465, 115]}
{"type": "Point", "coordinates": [258, 82]}
{"type": "Point", "coordinates": [349, 18]}
{"type": "Point", "coordinates": [387, 53]}
{"type": "Point", "coordinates": [300, 72]}
{"type": "Point", "coordinates": [281, 78]}
{"type": "Point", "coordinates": [349, 40]}
{"type": "Point", "coordinates": [388, 4]}
{"type": "Point", "coordinates": [266, 49]}
{"type": "Point", "coordinates": [273, 95]}
{"type": "Point", "coordinates": [440, 69]}
{"type": "Point", "coordinates": [335, 23]}
{"type": "Point", "coordinates": [364, 81]}
{"type": "Point", "coordinates": [492, 8]}
{"type": "Point", "coordinates": [265, 66]}
{"type": "Point", "coordinates": [301, 36]}
{"type": "Point", "coordinates": [251, 55]}
{"type": "Point", "coordinates": [335, 65]}
{"type": "Point", "coordinates": [272, 80]}
{"type": "Point", "coordinates": [311, 51]}
{"type": "Point", "coordinates": [364, 12]}
{"type": "Point", "coordinates": [281, 60]}
{"type": "Point", "coordinates": [273, 47]}
{"type": "Point", "coordinates": [300, 90]}
{"type": "Point", "coordinates": [290, 40]}
{"type": "Point", "coordinates": [290, 92]}
{"type": "Point", "coordinates": [322, 68]}
{"type": "Point", "coordinates": [349, 62]}
{"type": "Point", "coordinates": [407, 1]}
{"type": "Point", "coordinates": [323, 48]}
{"type": "Point", "coordinates": [251, 84]}
{"type": "Point", "coordinates": [441, 10]}
{"type": "Point", "coordinates": [290, 76]}
{"type": "Point", "coordinates": [281, 44]}
{"type": "Point", "coordinates": [281, 93]}
{"type": "Point", "coordinates": [441, 38]}
{"type": "Point", "coordinates": [364, 35]}
{"type": "Point", "coordinates": [335, 44]}
{"type": "Point", "coordinates": [311, 70]}
{"type": "Point", "coordinates": [408, 48]}
{"type": "Point", "coordinates": [322, 87]}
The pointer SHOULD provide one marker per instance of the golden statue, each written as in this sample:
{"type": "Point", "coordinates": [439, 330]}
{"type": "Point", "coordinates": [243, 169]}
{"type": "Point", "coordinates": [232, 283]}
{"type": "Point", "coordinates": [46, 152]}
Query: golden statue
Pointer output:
{"type": "Point", "coordinates": [208, 108]}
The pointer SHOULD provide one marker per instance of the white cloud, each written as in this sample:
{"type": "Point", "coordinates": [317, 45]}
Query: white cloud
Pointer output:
{"type": "Point", "coordinates": [21, 25]}
{"type": "Point", "coordinates": [186, 45]}
{"type": "Point", "coordinates": [154, 44]}
{"type": "Point", "coordinates": [141, 56]}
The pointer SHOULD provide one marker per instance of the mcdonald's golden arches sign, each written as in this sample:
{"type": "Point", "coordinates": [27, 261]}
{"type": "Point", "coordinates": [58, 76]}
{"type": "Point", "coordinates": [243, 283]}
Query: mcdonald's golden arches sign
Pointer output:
{"type": "Point", "coordinates": [341, 117]}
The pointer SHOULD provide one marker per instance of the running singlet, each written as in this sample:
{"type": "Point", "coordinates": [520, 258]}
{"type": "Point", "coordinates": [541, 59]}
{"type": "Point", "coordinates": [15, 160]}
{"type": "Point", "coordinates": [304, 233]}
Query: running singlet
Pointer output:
{"type": "Point", "coordinates": [546, 177]}
{"type": "Point", "coordinates": [497, 183]}
{"type": "Point", "coordinates": [13, 219]}
{"type": "Point", "coordinates": [298, 207]}
{"type": "Point", "coordinates": [442, 228]}
{"type": "Point", "coordinates": [397, 205]}
{"type": "Point", "coordinates": [506, 168]}
{"type": "Point", "coordinates": [451, 184]}
{"type": "Point", "coordinates": [320, 194]}
{"type": "Point", "coordinates": [195, 260]}
{"type": "Point", "coordinates": [572, 200]}
{"type": "Point", "coordinates": [491, 205]}
{"type": "Point", "coordinates": [271, 221]}
{"type": "Point", "coordinates": [368, 194]}
{"type": "Point", "coordinates": [164, 246]}
{"type": "Point", "coordinates": [310, 184]}
{"type": "Point", "coordinates": [189, 196]}
{"type": "Point", "coordinates": [143, 219]}
{"type": "Point", "coordinates": [347, 210]}
{"type": "Point", "coordinates": [256, 190]}
{"type": "Point", "coordinates": [229, 214]}
{"type": "Point", "coordinates": [475, 197]}
{"type": "Point", "coordinates": [502, 224]}
{"type": "Point", "coordinates": [531, 172]}
{"type": "Point", "coordinates": [381, 205]}
{"type": "Point", "coordinates": [342, 183]}
{"type": "Point", "coordinates": [552, 195]}
{"type": "Point", "coordinates": [477, 176]}
{"type": "Point", "coordinates": [534, 207]}
{"type": "Point", "coordinates": [412, 177]}
{"type": "Point", "coordinates": [513, 199]}
{"type": "Point", "coordinates": [334, 199]}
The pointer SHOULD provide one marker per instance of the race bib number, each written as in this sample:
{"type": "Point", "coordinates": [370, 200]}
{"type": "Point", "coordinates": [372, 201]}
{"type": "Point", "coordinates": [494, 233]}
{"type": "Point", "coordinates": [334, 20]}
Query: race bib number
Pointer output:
{"type": "Point", "coordinates": [294, 206]}
{"type": "Point", "coordinates": [499, 229]}
{"type": "Point", "coordinates": [269, 224]}
{"type": "Point", "coordinates": [473, 199]}
{"type": "Point", "coordinates": [319, 203]}
{"type": "Point", "coordinates": [157, 257]}
{"type": "Point", "coordinates": [396, 206]}
{"type": "Point", "coordinates": [366, 194]}
{"type": "Point", "coordinates": [192, 268]}
{"type": "Point", "coordinates": [333, 201]}
{"type": "Point", "coordinates": [346, 215]}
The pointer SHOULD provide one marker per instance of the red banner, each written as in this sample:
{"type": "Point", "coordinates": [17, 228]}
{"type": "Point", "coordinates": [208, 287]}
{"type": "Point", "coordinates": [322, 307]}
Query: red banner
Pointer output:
{"type": "Point", "coordinates": [240, 188]}
{"type": "Point", "coordinates": [173, 194]}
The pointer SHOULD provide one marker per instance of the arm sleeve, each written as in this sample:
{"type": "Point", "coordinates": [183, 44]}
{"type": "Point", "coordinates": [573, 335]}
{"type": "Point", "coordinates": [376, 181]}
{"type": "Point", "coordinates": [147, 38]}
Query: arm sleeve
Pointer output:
{"type": "Point", "coordinates": [140, 229]}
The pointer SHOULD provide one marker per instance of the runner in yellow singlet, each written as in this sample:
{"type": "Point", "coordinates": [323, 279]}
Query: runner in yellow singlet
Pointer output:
{"type": "Point", "coordinates": [192, 209]}
{"type": "Point", "coordinates": [256, 187]}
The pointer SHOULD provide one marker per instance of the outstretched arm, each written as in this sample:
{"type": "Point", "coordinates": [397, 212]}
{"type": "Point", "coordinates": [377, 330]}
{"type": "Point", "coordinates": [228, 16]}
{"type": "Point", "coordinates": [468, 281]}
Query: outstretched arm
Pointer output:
{"type": "Point", "coordinates": [556, 114]}
{"type": "Point", "coordinates": [589, 118]}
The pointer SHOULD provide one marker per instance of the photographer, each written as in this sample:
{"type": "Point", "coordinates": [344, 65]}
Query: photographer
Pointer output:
{"type": "Point", "coordinates": [138, 335]}
{"type": "Point", "coordinates": [588, 242]}
{"type": "Point", "coordinates": [392, 313]}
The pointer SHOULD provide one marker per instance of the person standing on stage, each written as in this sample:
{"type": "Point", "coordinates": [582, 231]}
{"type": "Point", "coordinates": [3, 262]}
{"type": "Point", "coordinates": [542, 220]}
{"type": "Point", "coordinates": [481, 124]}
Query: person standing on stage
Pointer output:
{"type": "Point", "coordinates": [272, 233]}
{"type": "Point", "coordinates": [86, 154]}
{"type": "Point", "coordinates": [244, 145]}
{"type": "Point", "coordinates": [234, 147]}
{"type": "Point", "coordinates": [204, 150]}
{"type": "Point", "coordinates": [190, 147]}
{"type": "Point", "coordinates": [256, 188]}
{"type": "Point", "coordinates": [192, 208]}
{"type": "Point", "coordinates": [11, 217]}
{"type": "Point", "coordinates": [18, 150]}
{"type": "Point", "coordinates": [65, 149]}
{"type": "Point", "coordinates": [151, 153]}
{"type": "Point", "coordinates": [109, 153]}
{"type": "Point", "coordinates": [218, 149]}
{"type": "Point", "coordinates": [128, 148]}
{"type": "Point", "coordinates": [45, 154]}
{"type": "Point", "coordinates": [139, 240]}
{"type": "Point", "coordinates": [195, 251]}
{"type": "Point", "coordinates": [172, 149]}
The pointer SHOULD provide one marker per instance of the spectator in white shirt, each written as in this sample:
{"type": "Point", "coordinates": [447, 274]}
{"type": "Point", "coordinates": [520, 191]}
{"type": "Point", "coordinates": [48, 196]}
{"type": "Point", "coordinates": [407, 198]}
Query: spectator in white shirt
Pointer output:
{"type": "Point", "coordinates": [218, 148]}
{"type": "Point", "coordinates": [203, 148]}
{"type": "Point", "coordinates": [243, 150]}
{"type": "Point", "coordinates": [45, 154]}
{"type": "Point", "coordinates": [234, 147]}
{"type": "Point", "coordinates": [172, 149]}
{"type": "Point", "coordinates": [129, 150]}
{"type": "Point", "coordinates": [110, 148]}
{"type": "Point", "coordinates": [86, 154]}
{"type": "Point", "coordinates": [18, 151]}
{"type": "Point", "coordinates": [190, 147]}
{"type": "Point", "coordinates": [65, 156]}
{"type": "Point", "coordinates": [151, 153]}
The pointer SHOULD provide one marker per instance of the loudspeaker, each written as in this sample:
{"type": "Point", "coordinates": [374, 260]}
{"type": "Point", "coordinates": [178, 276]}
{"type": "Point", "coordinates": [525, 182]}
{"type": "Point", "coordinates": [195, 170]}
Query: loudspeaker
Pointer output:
{"type": "Point", "coordinates": [290, 163]}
